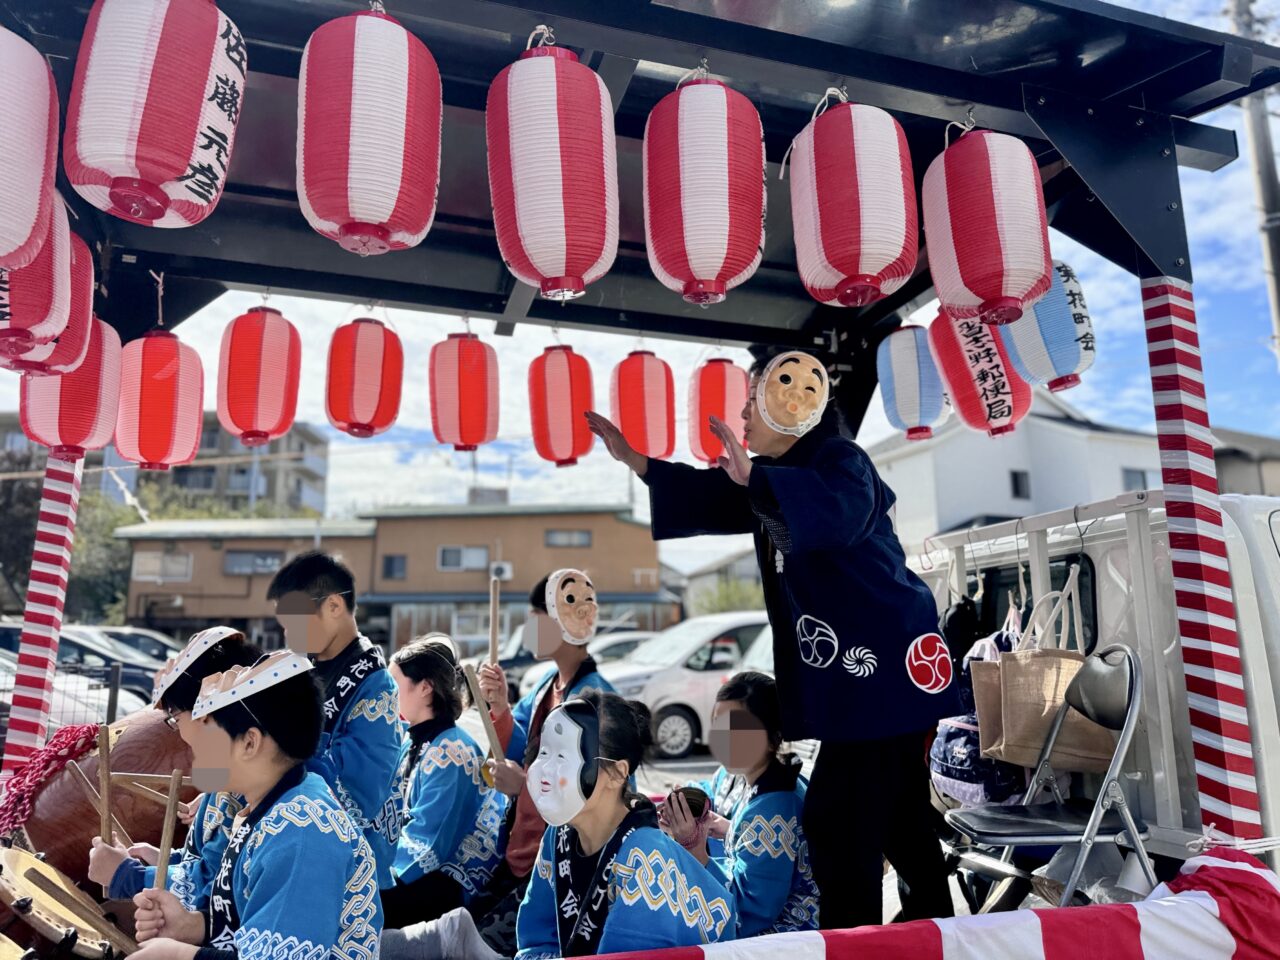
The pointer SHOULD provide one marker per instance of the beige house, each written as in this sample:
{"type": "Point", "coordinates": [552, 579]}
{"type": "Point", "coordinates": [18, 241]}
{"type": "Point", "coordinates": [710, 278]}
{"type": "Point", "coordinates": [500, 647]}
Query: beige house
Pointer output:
{"type": "Point", "coordinates": [417, 568]}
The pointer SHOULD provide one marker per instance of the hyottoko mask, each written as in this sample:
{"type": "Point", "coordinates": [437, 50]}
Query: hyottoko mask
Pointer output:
{"type": "Point", "coordinates": [791, 394]}
{"type": "Point", "coordinates": [564, 773]}
{"type": "Point", "coordinates": [571, 603]}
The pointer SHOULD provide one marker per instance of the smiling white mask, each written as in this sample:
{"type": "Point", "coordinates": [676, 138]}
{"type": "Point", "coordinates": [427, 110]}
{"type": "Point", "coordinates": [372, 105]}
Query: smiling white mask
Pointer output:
{"type": "Point", "coordinates": [561, 778]}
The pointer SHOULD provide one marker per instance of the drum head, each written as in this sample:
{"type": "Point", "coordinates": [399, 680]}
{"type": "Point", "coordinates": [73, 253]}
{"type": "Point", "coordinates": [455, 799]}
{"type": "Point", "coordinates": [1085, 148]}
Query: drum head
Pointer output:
{"type": "Point", "coordinates": [10, 950]}
{"type": "Point", "coordinates": [53, 906]}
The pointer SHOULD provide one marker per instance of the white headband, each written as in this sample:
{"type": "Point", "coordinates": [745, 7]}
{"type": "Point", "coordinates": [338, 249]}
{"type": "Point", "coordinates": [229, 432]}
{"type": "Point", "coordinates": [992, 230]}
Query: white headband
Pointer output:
{"type": "Point", "coordinates": [552, 592]}
{"type": "Point", "coordinates": [804, 426]}
{"type": "Point", "coordinates": [196, 647]}
{"type": "Point", "coordinates": [223, 689]}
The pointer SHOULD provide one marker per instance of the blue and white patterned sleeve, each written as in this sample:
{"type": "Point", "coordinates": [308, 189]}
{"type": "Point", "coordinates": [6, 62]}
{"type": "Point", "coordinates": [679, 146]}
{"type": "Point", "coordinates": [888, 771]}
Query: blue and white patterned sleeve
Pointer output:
{"type": "Point", "coordinates": [443, 796]}
{"type": "Point", "coordinates": [761, 867]}
{"type": "Point", "coordinates": [537, 935]}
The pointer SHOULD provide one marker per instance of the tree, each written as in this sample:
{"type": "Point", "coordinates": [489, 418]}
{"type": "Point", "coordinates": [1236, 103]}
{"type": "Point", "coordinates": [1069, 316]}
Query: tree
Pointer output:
{"type": "Point", "coordinates": [727, 596]}
{"type": "Point", "coordinates": [99, 579]}
{"type": "Point", "coordinates": [19, 506]}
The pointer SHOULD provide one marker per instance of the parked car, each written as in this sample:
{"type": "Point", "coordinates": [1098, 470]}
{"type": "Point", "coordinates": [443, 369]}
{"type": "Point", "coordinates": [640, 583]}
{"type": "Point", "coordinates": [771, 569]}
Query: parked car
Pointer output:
{"type": "Point", "coordinates": [151, 643]}
{"type": "Point", "coordinates": [677, 673]}
{"type": "Point", "coordinates": [607, 649]}
{"type": "Point", "coordinates": [93, 651]}
{"type": "Point", "coordinates": [76, 698]}
{"type": "Point", "coordinates": [514, 660]}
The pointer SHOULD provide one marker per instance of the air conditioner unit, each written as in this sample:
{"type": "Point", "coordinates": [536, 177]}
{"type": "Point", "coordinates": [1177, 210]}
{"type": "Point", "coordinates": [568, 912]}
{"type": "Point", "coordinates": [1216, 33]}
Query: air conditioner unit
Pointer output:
{"type": "Point", "coordinates": [503, 570]}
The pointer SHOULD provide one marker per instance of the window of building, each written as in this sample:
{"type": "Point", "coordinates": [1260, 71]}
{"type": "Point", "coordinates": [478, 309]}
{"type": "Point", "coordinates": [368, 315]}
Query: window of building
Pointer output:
{"type": "Point", "coordinates": [1133, 478]}
{"type": "Point", "coordinates": [394, 566]}
{"type": "Point", "coordinates": [568, 538]}
{"type": "Point", "coordinates": [194, 478]}
{"type": "Point", "coordinates": [210, 438]}
{"type": "Point", "coordinates": [250, 563]}
{"type": "Point", "coordinates": [157, 567]}
{"type": "Point", "coordinates": [463, 558]}
{"type": "Point", "coordinates": [1020, 484]}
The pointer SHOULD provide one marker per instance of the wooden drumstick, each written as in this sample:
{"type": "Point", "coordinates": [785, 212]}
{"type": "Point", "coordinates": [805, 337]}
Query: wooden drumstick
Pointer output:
{"type": "Point", "coordinates": [104, 781]}
{"type": "Point", "coordinates": [491, 734]}
{"type": "Point", "coordinates": [147, 779]}
{"type": "Point", "coordinates": [495, 591]}
{"type": "Point", "coordinates": [166, 835]}
{"type": "Point", "coordinates": [95, 800]}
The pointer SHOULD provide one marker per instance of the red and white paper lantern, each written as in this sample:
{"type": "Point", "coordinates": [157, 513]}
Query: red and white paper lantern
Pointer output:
{"type": "Point", "coordinates": [464, 391]}
{"type": "Point", "coordinates": [154, 107]}
{"type": "Point", "coordinates": [986, 229]}
{"type": "Point", "coordinates": [986, 392]}
{"type": "Point", "coordinates": [853, 205]}
{"type": "Point", "coordinates": [704, 192]}
{"type": "Point", "coordinates": [71, 413]}
{"type": "Point", "coordinates": [718, 389]}
{"type": "Point", "coordinates": [35, 300]}
{"type": "Point", "coordinates": [642, 399]}
{"type": "Point", "coordinates": [161, 402]}
{"type": "Point", "coordinates": [560, 393]}
{"type": "Point", "coordinates": [553, 172]}
{"type": "Point", "coordinates": [258, 373]}
{"type": "Point", "coordinates": [28, 150]}
{"type": "Point", "coordinates": [369, 110]}
{"type": "Point", "coordinates": [67, 351]}
{"type": "Point", "coordinates": [366, 373]}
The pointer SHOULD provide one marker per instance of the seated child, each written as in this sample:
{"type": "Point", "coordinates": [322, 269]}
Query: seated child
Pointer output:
{"type": "Point", "coordinates": [297, 878]}
{"type": "Point", "coordinates": [448, 817]}
{"type": "Point", "coordinates": [764, 858]}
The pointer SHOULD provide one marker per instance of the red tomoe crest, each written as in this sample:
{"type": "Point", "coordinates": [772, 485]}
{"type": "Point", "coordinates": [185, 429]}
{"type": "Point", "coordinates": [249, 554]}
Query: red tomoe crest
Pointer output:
{"type": "Point", "coordinates": [929, 663]}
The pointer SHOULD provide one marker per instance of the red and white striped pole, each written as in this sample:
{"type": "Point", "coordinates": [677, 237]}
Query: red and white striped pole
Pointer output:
{"type": "Point", "coordinates": [1202, 581]}
{"type": "Point", "coordinates": [42, 616]}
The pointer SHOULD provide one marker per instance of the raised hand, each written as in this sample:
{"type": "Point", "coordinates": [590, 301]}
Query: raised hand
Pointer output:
{"type": "Point", "coordinates": [616, 443]}
{"type": "Point", "coordinates": [735, 461]}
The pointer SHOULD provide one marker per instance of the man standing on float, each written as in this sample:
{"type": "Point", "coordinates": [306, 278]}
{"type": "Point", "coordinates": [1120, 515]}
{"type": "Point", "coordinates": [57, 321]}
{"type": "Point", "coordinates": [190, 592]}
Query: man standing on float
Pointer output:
{"type": "Point", "coordinates": [859, 663]}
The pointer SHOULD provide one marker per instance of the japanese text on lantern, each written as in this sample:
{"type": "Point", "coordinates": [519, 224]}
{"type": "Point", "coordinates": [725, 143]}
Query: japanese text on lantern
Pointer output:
{"type": "Point", "coordinates": [206, 172]}
{"type": "Point", "coordinates": [988, 369]}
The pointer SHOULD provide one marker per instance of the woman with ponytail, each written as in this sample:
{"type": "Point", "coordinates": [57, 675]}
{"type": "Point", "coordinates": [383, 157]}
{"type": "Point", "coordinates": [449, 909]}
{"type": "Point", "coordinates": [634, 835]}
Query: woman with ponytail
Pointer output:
{"type": "Point", "coordinates": [607, 879]}
{"type": "Point", "coordinates": [446, 816]}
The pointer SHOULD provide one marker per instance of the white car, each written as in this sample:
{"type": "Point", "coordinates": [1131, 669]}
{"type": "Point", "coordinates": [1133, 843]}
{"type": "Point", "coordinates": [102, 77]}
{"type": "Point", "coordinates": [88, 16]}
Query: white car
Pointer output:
{"type": "Point", "coordinates": [76, 698]}
{"type": "Point", "coordinates": [152, 643]}
{"type": "Point", "coordinates": [606, 649]}
{"type": "Point", "coordinates": [677, 673]}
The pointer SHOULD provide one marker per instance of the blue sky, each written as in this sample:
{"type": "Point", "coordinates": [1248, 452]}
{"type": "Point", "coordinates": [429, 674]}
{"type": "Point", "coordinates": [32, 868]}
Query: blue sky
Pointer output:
{"type": "Point", "coordinates": [406, 464]}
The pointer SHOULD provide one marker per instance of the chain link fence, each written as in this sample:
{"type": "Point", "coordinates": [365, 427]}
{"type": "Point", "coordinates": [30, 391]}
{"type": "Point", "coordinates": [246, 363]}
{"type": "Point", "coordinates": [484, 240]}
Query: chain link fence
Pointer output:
{"type": "Point", "coordinates": [81, 694]}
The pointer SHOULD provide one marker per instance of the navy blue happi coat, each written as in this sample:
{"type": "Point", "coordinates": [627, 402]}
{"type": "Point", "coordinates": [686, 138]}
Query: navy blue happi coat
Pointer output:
{"type": "Point", "coordinates": [856, 649]}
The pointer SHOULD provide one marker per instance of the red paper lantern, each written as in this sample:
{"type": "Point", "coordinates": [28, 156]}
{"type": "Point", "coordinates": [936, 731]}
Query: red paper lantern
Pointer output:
{"type": "Point", "coordinates": [28, 150]}
{"type": "Point", "coordinates": [369, 109]}
{"type": "Point", "coordinates": [553, 171]}
{"type": "Point", "coordinates": [986, 392]}
{"type": "Point", "coordinates": [642, 395]}
{"type": "Point", "coordinates": [704, 192]}
{"type": "Point", "coordinates": [161, 402]}
{"type": "Point", "coordinates": [853, 205]}
{"type": "Point", "coordinates": [258, 374]}
{"type": "Point", "coordinates": [154, 107]}
{"type": "Point", "coordinates": [65, 353]}
{"type": "Point", "coordinates": [38, 301]}
{"type": "Point", "coordinates": [560, 394]}
{"type": "Point", "coordinates": [366, 369]}
{"type": "Point", "coordinates": [718, 389]}
{"type": "Point", "coordinates": [986, 228]}
{"type": "Point", "coordinates": [464, 391]}
{"type": "Point", "coordinates": [73, 412]}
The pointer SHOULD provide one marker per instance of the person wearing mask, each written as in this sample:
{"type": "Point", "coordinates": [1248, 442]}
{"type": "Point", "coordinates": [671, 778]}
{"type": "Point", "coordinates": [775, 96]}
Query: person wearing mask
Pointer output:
{"type": "Point", "coordinates": [860, 665]}
{"type": "Point", "coordinates": [606, 879]}
{"type": "Point", "coordinates": [750, 835]}
{"type": "Point", "coordinates": [315, 602]}
{"type": "Point", "coordinates": [561, 621]}
{"type": "Point", "coordinates": [297, 878]}
{"type": "Point", "coordinates": [449, 817]}
{"type": "Point", "coordinates": [126, 872]}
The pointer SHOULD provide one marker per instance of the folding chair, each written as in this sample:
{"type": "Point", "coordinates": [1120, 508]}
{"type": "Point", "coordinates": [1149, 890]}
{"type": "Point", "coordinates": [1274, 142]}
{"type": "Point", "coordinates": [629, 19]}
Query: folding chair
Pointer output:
{"type": "Point", "coordinates": [1107, 690]}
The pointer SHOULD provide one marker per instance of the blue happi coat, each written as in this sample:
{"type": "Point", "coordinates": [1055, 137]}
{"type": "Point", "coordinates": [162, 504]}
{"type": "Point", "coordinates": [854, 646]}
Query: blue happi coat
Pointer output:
{"type": "Point", "coordinates": [191, 869]}
{"type": "Point", "coordinates": [522, 713]}
{"type": "Point", "coordinates": [304, 884]}
{"type": "Point", "coordinates": [360, 746]}
{"type": "Point", "coordinates": [658, 896]}
{"type": "Point", "coordinates": [449, 817]}
{"type": "Point", "coordinates": [764, 858]}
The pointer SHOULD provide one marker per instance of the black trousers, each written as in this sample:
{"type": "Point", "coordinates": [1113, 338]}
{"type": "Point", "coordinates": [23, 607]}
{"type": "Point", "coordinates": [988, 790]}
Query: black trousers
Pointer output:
{"type": "Point", "coordinates": [429, 897]}
{"type": "Point", "coordinates": [867, 801]}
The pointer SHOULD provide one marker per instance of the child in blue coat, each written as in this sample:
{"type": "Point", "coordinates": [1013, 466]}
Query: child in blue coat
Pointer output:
{"type": "Point", "coordinates": [757, 796]}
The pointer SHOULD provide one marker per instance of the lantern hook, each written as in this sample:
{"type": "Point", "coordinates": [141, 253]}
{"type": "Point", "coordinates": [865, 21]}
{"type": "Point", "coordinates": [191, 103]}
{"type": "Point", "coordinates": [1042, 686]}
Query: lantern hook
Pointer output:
{"type": "Point", "coordinates": [700, 72]}
{"type": "Point", "coordinates": [543, 34]}
{"type": "Point", "coordinates": [965, 125]}
{"type": "Point", "coordinates": [159, 279]}
{"type": "Point", "coordinates": [839, 93]}
{"type": "Point", "coordinates": [555, 334]}
{"type": "Point", "coordinates": [375, 6]}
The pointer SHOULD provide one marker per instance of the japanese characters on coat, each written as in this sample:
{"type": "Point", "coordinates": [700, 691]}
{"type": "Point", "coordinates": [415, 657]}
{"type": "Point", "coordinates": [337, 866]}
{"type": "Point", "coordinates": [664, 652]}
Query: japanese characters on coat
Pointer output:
{"type": "Point", "coordinates": [986, 392]}
{"type": "Point", "coordinates": [1053, 343]}
{"type": "Point", "coordinates": [369, 117]}
{"type": "Point", "coordinates": [553, 172]}
{"type": "Point", "coordinates": [154, 105]}
{"type": "Point", "coordinates": [28, 150]}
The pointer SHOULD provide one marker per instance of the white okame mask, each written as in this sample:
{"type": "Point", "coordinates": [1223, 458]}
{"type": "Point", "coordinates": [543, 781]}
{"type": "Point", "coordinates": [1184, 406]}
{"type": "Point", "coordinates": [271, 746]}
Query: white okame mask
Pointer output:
{"type": "Point", "coordinates": [560, 779]}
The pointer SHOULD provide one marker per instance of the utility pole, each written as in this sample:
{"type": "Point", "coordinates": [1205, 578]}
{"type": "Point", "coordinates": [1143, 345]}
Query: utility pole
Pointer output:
{"type": "Point", "coordinates": [1266, 185]}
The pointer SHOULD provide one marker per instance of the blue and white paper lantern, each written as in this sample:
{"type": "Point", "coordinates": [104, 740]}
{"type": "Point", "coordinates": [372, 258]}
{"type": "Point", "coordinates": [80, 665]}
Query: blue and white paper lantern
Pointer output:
{"type": "Point", "coordinates": [909, 382]}
{"type": "Point", "coordinates": [1052, 343]}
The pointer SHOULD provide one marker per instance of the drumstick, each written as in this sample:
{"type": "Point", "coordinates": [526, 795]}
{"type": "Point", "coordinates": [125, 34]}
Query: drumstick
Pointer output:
{"type": "Point", "coordinates": [495, 590]}
{"type": "Point", "coordinates": [95, 800]}
{"type": "Point", "coordinates": [495, 745]}
{"type": "Point", "coordinates": [104, 780]}
{"type": "Point", "coordinates": [148, 779]}
{"type": "Point", "coordinates": [166, 835]}
{"type": "Point", "coordinates": [146, 793]}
